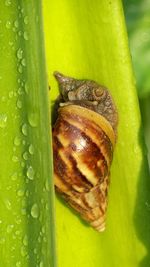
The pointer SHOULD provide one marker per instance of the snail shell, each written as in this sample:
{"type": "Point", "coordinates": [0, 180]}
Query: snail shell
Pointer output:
{"type": "Point", "coordinates": [83, 143]}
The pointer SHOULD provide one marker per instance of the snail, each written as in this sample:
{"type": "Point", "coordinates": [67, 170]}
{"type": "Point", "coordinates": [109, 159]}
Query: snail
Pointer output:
{"type": "Point", "coordinates": [84, 136]}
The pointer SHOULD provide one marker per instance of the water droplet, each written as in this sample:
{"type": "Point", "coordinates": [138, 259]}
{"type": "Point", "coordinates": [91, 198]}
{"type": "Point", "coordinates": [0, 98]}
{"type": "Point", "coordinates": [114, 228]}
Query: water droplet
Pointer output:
{"type": "Point", "coordinates": [19, 103]}
{"type": "Point", "coordinates": [20, 192]}
{"type": "Point", "coordinates": [23, 62]}
{"type": "Point", "coordinates": [23, 251]}
{"type": "Point", "coordinates": [25, 35]}
{"type": "Point", "coordinates": [20, 33]}
{"type": "Point", "coordinates": [18, 220]}
{"type": "Point", "coordinates": [11, 94]}
{"type": "Point", "coordinates": [43, 229]}
{"type": "Point", "coordinates": [35, 251]}
{"type": "Point", "coordinates": [17, 232]}
{"type": "Point", "coordinates": [18, 264]}
{"type": "Point", "coordinates": [25, 155]}
{"type": "Point", "coordinates": [31, 149]}
{"type": "Point", "coordinates": [7, 2]}
{"type": "Point", "coordinates": [19, 53]}
{"type": "Point", "coordinates": [14, 176]}
{"type": "Point", "coordinates": [147, 204]}
{"type": "Point", "coordinates": [20, 69]}
{"type": "Point", "coordinates": [3, 120]}
{"type": "Point", "coordinates": [11, 43]}
{"type": "Point", "coordinates": [24, 129]}
{"type": "Point", "coordinates": [47, 186]}
{"type": "Point", "coordinates": [26, 20]}
{"type": "Point", "coordinates": [25, 240]}
{"type": "Point", "coordinates": [9, 187]}
{"type": "Point", "coordinates": [23, 211]}
{"type": "Point", "coordinates": [8, 204]}
{"type": "Point", "coordinates": [9, 228]}
{"type": "Point", "coordinates": [26, 88]}
{"type": "Point", "coordinates": [15, 159]}
{"type": "Point", "coordinates": [42, 200]}
{"type": "Point", "coordinates": [20, 91]}
{"type": "Point", "coordinates": [30, 173]}
{"type": "Point", "coordinates": [16, 24]}
{"type": "Point", "coordinates": [22, 164]}
{"type": "Point", "coordinates": [8, 24]}
{"type": "Point", "coordinates": [35, 211]}
{"type": "Point", "coordinates": [17, 141]}
{"type": "Point", "coordinates": [33, 119]}
{"type": "Point", "coordinates": [27, 193]}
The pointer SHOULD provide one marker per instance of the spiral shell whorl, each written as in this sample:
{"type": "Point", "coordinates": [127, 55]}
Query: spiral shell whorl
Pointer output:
{"type": "Point", "coordinates": [83, 148]}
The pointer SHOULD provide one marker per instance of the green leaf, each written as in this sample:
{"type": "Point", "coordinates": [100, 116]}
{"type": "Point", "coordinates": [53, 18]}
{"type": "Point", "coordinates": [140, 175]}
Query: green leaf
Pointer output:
{"type": "Point", "coordinates": [138, 23]}
{"type": "Point", "coordinates": [26, 191]}
{"type": "Point", "coordinates": [88, 39]}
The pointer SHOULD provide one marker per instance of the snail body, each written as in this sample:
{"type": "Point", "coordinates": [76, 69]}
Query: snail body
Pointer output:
{"type": "Point", "coordinates": [83, 143]}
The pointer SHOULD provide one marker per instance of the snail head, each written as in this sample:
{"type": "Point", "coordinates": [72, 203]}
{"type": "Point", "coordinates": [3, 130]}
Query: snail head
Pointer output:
{"type": "Point", "coordinates": [72, 89]}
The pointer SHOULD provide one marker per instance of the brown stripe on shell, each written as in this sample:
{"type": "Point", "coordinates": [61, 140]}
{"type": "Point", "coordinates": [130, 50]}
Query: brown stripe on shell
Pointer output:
{"type": "Point", "coordinates": [86, 153]}
{"type": "Point", "coordinates": [70, 175]}
{"type": "Point", "coordinates": [86, 149]}
{"type": "Point", "coordinates": [91, 130]}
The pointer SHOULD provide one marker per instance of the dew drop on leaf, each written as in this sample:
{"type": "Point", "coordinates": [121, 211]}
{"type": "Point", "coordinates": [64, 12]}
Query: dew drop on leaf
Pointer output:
{"type": "Point", "coordinates": [33, 119]}
{"type": "Point", "coordinates": [15, 158]}
{"type": "Point", "coordinates": [25, 35]}
{"type": "Point", "coordinates": [16, 24]}
{"type": "Point", "coordinates": [19, 104]}
{"type": "Point", "coordinates": [7, 2]}
{"type": "Point", "coordinates": [14, 176]}
{"type": "Point", "coordinates": [30, 173]}
{"type": "Point", "coordinates": [25, 240]}
{"type": "Point", "coordinates": [8, 24]}
{"type": "Point", "coordinates": [24, 129]}
{"type": "Point", "coordinates": [23, 251]}
{"type": "Point", "coordinates": [26, 88]}
{"type": "Point", "coordinates": [35, 211]}
{"type": "Point", "coordinates": [18, 264]}
{"type": "Point", "coordinates": [26, 20]}
{"type": "Point", "coordinates": [19, 53]}
{"type": "Point", "coordinates": [25, 155]}
{"type": "Point", "coordinates": [31, 149]}
{"type": "Point", "coordinates": [3, 120]}
{"type": "Point", "coordinates": [8, 204]}
{"type": "Point", "coordinates": [23, 62]}
{"type": "Point", "coordinates": [11, 94]}
{"type": "Point", "coordinates": [17, 141]}
{"type": "Point", "coordinates": [9, 228]}
{"type": "Point", "coordinates": [20, 193]}
{"type": "Point", "coordinates": [20, 69]}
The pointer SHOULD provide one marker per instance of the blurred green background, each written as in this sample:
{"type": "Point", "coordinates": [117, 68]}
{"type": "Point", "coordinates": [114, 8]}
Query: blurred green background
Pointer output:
{"type": "Point", "coordinates": [137, 14]}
